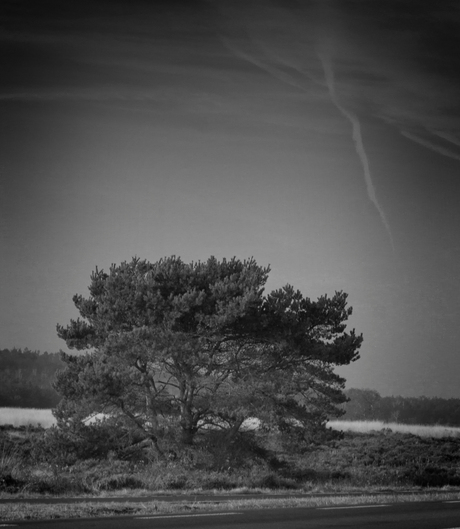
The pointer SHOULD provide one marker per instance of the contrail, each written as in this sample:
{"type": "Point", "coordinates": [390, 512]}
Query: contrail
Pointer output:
{"type": "Point", "coordinates": [446, 136]}
{"type": "Point", "coordinates": [277, 74]}
{"type": "Point", "coordinates": [280, 60]}
{"type": "Point", "coordinates": [329, 77]}
{"type": "Point", "coordinates": [358, 140]}
{"type": "Point", "coordinates": [426, 143]}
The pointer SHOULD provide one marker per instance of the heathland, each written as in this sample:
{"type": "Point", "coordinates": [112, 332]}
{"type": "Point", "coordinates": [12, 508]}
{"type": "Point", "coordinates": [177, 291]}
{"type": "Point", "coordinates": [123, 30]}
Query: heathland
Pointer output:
{"type": "Point", "coordinates": [34, 462]}
{"type": "Point", "coordinates": [370, 454]}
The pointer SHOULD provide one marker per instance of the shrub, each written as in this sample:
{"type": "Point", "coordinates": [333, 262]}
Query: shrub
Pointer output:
{"type": "Point", "coordinates": [434, 477]}
{"type": "Point", "coordinates": [175, 482]}
{"type": "Point", "coordinates": [66, 446]}
{"type": "Point", "coordinates": [10, 484]}
{"type": "Point", "coordinates": [56, 485]}
{"type": "Point", "coordinates": [217, 481]}
{"type": "Point", "coordinates": [117, 482]}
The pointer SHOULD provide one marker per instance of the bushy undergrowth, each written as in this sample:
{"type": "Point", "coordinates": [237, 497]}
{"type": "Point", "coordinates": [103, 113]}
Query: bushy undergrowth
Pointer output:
{"type": "Point", "coordinates": [34, 460]}
{"type": "Point", "coordinates": [387, 459]}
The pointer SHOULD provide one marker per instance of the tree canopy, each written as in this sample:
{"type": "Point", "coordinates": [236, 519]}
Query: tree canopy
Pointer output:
{"type": "Point", "coordinates": [176, 348]}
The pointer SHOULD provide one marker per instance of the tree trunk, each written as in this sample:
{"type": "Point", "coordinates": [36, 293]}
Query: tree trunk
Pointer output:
{"type": "Point", "coordinates": [188, 426]}
{"type": "Point", "coordinates": [230, 434]}
{"type": "Point", "coordinates": [187, 420]}
{"type": "Point", "coordinates": [188, 435]}
{"type": "Point", "coordinates": [158, 451]}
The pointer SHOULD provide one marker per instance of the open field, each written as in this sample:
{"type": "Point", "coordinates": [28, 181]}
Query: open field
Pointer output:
{"type": "Point", "coordinates": [26, 416]}
{"type": "Point", "coordinates": [35, 417]}
{"type": "Point", "coordinates": [414, 429]}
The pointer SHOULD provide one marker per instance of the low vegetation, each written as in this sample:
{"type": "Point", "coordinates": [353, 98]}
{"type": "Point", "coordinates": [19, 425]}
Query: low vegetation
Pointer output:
{"type": "Point", "coordinates": [34, 460]}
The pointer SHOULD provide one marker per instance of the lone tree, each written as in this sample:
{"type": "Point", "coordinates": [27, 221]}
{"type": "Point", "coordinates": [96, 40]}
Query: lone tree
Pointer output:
{"type": "Point", "coordinates": [173, 348]}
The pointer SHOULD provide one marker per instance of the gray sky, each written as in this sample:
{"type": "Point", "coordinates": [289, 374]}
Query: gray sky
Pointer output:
{"type": "Point", "coordinates": [321, 137]}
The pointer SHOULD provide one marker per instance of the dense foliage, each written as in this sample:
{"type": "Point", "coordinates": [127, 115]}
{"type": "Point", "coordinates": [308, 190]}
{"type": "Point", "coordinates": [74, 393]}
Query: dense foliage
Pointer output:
{"type": "Point", "coordinates": [174, 349]}
{"type": "Point", "coordinates": [26, 378]}
{"type": "Point", "coordinates": [368, 405]}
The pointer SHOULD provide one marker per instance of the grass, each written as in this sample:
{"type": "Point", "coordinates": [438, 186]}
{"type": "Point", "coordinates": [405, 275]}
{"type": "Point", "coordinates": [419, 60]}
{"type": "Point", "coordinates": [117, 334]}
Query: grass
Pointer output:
{"type": "Point", "coordinates": [372, 468]}
{"type": "Point", "coordinates": [436, 431]}
{"type": "Point", "coordinates": [27, 511]}
{"type": "Point", "coordinates": [374, 459]}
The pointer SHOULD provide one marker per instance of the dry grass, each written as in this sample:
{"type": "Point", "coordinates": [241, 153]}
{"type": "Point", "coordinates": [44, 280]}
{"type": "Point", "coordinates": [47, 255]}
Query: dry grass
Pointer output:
{"type": "Point", "coordinates": [415, 429]}
{"type": "Point", "coordinates": [26, 416]}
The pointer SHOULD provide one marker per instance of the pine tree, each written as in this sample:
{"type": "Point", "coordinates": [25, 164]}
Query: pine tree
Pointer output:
{"type": "Point", "coordinates": [175, 348]}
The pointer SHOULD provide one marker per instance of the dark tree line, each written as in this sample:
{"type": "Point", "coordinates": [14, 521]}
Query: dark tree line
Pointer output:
{"type": "Point", "coordinates": [368, 405]}
{"type": "Point", "coordinates": [26, 378]}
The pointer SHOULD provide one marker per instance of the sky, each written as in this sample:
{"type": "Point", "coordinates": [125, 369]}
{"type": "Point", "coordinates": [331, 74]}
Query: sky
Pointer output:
{"type": "Point", "coordinates": [321, 137]}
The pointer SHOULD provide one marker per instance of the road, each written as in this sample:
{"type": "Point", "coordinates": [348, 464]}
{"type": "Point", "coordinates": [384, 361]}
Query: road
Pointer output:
{"type": "Point", "coordinates": [417, 515]}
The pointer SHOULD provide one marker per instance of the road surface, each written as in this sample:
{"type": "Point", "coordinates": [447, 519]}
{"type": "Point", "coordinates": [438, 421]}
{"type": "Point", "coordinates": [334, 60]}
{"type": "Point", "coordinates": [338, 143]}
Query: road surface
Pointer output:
{"type": "Point", "coordinates": [417, 515]}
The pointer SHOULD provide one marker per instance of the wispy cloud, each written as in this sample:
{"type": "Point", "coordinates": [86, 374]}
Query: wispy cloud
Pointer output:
{"type": "Point", "coordinates": [263, 65]}
{"type": "Point", "coordinates": [86, 95]}
{"type": "Point", "coordinates": [53, 96]}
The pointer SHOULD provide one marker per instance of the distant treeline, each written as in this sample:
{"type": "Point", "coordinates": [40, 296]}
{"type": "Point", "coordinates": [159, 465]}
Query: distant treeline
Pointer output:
{"type": "Point", "coordinates": [368, 405]}
{"type": "Point", "coordinates": [26, 378]}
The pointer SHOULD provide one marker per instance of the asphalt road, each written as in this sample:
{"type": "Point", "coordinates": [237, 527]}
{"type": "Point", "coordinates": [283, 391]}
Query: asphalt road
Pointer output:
{"type": "Point", "coordinates": [429, 515]}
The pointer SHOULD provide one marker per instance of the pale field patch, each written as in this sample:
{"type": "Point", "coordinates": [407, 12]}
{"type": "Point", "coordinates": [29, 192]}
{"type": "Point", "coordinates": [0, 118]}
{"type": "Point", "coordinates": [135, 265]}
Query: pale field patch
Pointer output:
{"type": "Point", "coordinates": [26, 416]}
{"type": "Point", "coordinates": [415, 429]}
{"type": "Point", "coordinates": [34, 417]}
